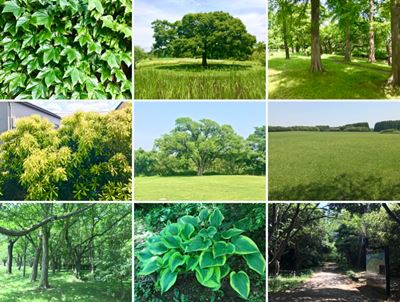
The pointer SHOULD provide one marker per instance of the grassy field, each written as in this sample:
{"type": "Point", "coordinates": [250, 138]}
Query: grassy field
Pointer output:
{"type": "Point", "coordinates": [334, 166]}
{"type": "Point", "coordinates": [187, 79]}
{"type": "Point", "coordinates": [65, 287]}
{"type": "Point", "coordinates": [291, 79]}
{"type": "Point", "coordinates": [202, 188]}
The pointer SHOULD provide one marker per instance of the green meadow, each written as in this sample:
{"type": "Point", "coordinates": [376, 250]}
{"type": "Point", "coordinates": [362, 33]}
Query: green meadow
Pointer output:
{"type": "Point", "coordinates": [64, 287]}
{"type": "Point", "coordinates": [291, 79]}
{"type": "Point", "coordinates": [187, 79]}
{"type": "Point", "coordinates": [200, 188]}
{"type": "Point", "coordinates": [334, 166]}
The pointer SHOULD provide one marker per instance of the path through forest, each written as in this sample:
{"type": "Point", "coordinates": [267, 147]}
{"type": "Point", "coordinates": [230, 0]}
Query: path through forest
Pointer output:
{"type": "Point", "coordinates": [328, 285]}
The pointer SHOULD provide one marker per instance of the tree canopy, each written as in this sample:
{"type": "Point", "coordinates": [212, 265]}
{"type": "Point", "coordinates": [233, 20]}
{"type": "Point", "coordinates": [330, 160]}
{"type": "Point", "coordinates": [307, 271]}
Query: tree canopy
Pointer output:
{"type": "Point", "coordinates": [204, 146]}
{"type": "Point", "coordinates": [212, 35]}
{"type": "Point", "coordinates": [87, 158]}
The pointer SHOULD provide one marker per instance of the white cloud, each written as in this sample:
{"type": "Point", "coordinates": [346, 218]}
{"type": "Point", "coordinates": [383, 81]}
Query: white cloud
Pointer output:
{"type": "Point", "coordinates": [69, 107]}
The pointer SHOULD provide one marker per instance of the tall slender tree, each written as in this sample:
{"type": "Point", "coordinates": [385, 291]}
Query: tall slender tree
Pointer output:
{"type": "Point", "coordinates": [316, 63]}
{"type": "Point", "coordinates": [371, 57]}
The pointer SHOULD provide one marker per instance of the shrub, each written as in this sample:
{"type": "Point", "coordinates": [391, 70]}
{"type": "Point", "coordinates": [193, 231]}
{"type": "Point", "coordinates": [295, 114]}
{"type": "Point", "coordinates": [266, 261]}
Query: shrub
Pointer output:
{"type": "Point", "coordinates": [387, 125]}
{"type": "Point", "coordinates": [356, 129]}
{"type": "Point", "coordinates": [65, 49]}
{"type": "Point", "coordinates": [199, 244]}
{"type": "Point", "coordinates": [395, 131]}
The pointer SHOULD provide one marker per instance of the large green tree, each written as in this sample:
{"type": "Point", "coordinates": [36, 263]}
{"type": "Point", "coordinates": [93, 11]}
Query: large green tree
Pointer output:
{"type": "Point", "coordinates": [212, 35]}
{"type": "Point", "coordinates": [200, 142]}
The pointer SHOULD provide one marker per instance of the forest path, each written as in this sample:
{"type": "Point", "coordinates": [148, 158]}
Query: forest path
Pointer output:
{"type": "Point", "coordinates": [327, 285]}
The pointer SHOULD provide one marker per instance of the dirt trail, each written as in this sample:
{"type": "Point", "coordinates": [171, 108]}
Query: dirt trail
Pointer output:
{"type": "Point", "coordinates": [328, 285]}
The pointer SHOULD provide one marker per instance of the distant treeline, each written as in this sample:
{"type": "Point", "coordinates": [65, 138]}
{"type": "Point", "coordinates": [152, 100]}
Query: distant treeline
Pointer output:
{"type": "Point", "coordinates": [387, 125]}
{"type": "Point", "coordinates": [356, 127]}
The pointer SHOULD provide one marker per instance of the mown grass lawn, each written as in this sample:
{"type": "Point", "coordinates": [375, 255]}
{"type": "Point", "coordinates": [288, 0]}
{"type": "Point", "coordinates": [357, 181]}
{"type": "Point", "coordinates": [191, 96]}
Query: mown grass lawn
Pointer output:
{"type": "Point", "coordinates": [64, 287]}
{"type": "Point", "coordinates": [291, 79]}
{"type": "Point", "coordinates": [333, 166]}
{"type": "Point", "coordinates": [187, 79]}
{"type": "Point", "coordinates": [201, 188]}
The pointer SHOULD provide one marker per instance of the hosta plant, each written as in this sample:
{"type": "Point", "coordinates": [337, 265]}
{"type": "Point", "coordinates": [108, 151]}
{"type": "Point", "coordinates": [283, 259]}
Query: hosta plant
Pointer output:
{"type": "Point", "coordinates": [200, 245]}
{"type": "Point", "coordinates": [65, 49]}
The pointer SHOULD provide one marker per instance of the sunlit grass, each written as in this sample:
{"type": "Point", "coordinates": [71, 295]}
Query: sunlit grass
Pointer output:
{"type": "Point", "coordinates": [204, 188]}
{"type": "Point", "coordinates": [291, 79]}
{"type": "Point", "coordinates": [187, 79]}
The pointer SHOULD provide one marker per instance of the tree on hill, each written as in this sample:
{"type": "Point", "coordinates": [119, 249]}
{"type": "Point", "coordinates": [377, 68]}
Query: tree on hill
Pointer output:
{"type": "Point", "coordinates": [213, 35]}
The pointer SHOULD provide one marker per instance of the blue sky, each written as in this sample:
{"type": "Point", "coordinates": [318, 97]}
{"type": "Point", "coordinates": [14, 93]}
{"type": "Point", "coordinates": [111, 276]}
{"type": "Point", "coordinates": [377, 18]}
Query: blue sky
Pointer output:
{"type": "Point", "coordinates": [153, 119]}
{"type": "Point", "coordinates": [251, 12]}
{"type": "Point", "coordinates": [63, 108]}
{"type": "Point", "coordinates": [331, 113]}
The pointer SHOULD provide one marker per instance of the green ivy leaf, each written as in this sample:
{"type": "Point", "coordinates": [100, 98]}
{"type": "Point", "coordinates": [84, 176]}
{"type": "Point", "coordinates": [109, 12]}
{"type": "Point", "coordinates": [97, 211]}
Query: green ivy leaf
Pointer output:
{"type": "Point", "coordinates": [94, 47]}
{"type": "Point", "coordinates": [96, 4]}
{"type": "Point", "coordinates": [41, 17]}
{"type": "Point", "coordinates": [51, 54]}
{"type": "Point", "coordinates": [51, 77]}
{"type": "Point", "coordinates": [240, 282]}
{"type": "Point", "coordinates": [12, 7]}
{"type": "Point", "coordinates": [22, 20]}
{"type": "Point", "coordinates": [72, 54]}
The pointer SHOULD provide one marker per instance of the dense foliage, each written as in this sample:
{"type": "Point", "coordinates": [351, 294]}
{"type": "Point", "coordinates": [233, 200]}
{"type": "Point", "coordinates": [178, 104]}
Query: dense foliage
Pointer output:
{"type": "Point", "coordinates": [207, 35]}
{"type": "Point", "coordinates": [192, 240]}
{"type": "Point", "coordinates": [87, 158]}
{"type": "Point", "coordinates": [65, 49]}
{"type": "Point", "coordinates": [387, 125]}
{"type": "Point", "coordinates": [90, 243]}
{"type": "Point", "coordinates": [199, 147]}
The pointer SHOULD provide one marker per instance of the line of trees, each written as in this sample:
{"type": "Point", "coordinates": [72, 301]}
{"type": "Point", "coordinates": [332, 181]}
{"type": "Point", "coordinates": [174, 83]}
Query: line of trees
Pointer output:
{"type": "Point", "coordinates": [198, 147]}
{"type": "Point", "coordinates": [88, 158]}
{"type": "Point", "coordinates": [89, 240]}
{"type": "Point", "coordinates": [356, 127]}
{"type": "Point", "coordinates": [365, 28]}
{"type": "Point", "coordinates": [387, 125]}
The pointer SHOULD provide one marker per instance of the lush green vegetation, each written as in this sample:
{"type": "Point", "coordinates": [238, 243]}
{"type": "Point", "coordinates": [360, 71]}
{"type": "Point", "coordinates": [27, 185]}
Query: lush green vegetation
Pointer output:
{"type": "Point", "coordinates": [178, 78]}
{"type": "Point", "coordinates": [366, 30]}
{"type": "Point", "coordinates": [227, 69]}
{"type": "Point", "coordinates": [215, 187]}
{"type": "Point", "coordinates": [333, 166]}
{"type": "Point", "coordinates": [213, 221]}
{"type": "Point", "coordinates": [201, 245]}
{"type": "Point", "coordinates": [65, 287]}
{"type": "Point", "coordinates": [65, 49]}
{"type": "Point", "coordinates": [291, 79]}
{"type": "Point", "coordinates": [281, 282]}
{"type": "Point", "coordinates": [68, 252]}
{"type": "Point", "coordinates": [304, 236]}
{"type": "Point", "coordinates": [88, 158]}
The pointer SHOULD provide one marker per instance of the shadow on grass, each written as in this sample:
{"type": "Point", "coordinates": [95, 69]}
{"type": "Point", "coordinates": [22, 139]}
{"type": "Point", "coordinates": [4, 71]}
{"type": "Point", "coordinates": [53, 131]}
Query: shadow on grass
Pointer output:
{"type": "Point", "coordinates": [199, 67]}
{"type": "Point", "coordinates": [342, 187]}
{"type": "Point", "coordinates": [292, 79]}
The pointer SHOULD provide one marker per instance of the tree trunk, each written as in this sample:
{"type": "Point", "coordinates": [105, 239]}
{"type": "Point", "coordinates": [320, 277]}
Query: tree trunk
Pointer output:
{"type": "Point", "coordinates": [347, 50]}
{"type": "Point", "coordinates": [44, 278]}
{"type": "Point", "coordinates": [285, 39]}
{"type": "Point", "coordinates": [10, 248]}
{"type": "Point", "coordinates": [389, 51]}
{"type": "Point", "coordinates": [395, 23]}
{"type": "Point", "coordinates": [78, 266]}
{"type": "Point", "coordinates": [204, 56]}
{"type": "Point", "coordinates": [200, 170]}
{"type": "Point", "coordinates": [371, 57]}
{"type": "Point", "coordinates": [275, 267]}
{"type": "Point", "coordinates": [24, 264]}
{"type": "Point", "coordinates": [316, 63]}
{"type": "Point", "coordinates": [36, 261]}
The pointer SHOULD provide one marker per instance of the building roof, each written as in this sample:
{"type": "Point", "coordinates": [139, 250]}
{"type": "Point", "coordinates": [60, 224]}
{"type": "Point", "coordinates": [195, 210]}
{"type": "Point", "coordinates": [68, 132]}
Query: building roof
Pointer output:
{"type": "Point", "coordinates": [121, 105]}
{"type": "Point", "coordinates": [30, 105]}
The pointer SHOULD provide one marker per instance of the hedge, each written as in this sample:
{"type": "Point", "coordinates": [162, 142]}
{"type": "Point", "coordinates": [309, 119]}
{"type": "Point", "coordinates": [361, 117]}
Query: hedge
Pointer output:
{"type": "Point", "coordinates": [387, 125]}
{"type": "Point", "coordinates": [65, 49]}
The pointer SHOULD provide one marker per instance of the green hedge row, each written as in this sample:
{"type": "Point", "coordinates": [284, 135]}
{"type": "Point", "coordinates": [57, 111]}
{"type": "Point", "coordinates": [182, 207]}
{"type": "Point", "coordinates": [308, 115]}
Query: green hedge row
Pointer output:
{"type": "Point", "coordinates": [65, 49]}
{"type": "Point", "coordinates": [385, 125]}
